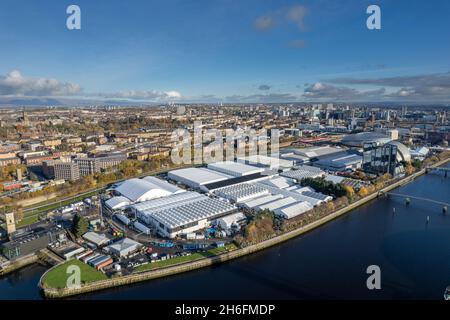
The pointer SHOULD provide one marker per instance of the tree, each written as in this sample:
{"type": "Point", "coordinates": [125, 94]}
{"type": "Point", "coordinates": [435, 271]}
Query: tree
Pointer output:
{"type": "Point", "coordinates": [18, 213]}
{"type": "Point", "coordinates": [363, 192]}
{"type": "Point", "coordinates": [350, 192]}
{"type": "Point", "coordinates": [80, 225]}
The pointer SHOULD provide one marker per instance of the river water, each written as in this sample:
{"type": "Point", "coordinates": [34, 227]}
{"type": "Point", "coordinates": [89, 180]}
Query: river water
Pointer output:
{"type": "Point", "coordinates": [327, 263]}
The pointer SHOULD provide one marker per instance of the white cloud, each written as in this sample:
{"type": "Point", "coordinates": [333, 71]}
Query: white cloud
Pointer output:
{"type": "Point", "coordinates": [152, 95]}
{"type": "Point", "coordinates": [15, 84]}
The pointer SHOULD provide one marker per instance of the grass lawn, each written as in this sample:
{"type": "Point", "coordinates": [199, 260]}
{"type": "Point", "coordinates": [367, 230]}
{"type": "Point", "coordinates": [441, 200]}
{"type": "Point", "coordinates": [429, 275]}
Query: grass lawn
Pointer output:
{"type": "Point", "coordinates": [55, 204]}
{"type": "Point", "coordinates": [169, 262]}
{"type": "Point", "coordinates": [27, 220]}
{"type": "Point", "coordinates": [183, 259]}
{"type": "Point", "coordinates": [57, 278]}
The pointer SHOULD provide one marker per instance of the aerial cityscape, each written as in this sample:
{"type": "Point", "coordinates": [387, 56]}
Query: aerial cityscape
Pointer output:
{"type": "Point", "coordinates": [293, 149]}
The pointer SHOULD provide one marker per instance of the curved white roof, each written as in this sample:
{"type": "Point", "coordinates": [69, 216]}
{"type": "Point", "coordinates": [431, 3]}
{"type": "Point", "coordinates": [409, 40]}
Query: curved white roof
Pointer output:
{"type": "Point", "coordinates": [163, 184]}
{"type": "Point", "coordinates": [117, 202]}
{"type": "Point", "coordinates": [137, 190]}
{"type": "Point", "coordinates": [403, 153]}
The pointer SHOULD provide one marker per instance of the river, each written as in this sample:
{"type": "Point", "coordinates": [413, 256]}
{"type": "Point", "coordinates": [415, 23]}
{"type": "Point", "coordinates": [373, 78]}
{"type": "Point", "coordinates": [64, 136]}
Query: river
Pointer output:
{"type": "Point", "coordinates": [327, 263]}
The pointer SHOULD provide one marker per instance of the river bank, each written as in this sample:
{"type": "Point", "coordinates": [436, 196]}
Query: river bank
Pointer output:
{"type": "Point", "coordinates": [147, 275]}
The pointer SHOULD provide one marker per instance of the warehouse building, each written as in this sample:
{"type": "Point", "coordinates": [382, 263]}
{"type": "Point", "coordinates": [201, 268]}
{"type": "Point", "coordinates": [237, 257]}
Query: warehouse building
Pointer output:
{"type": "Point", "coordinates": [256, 202]}
{"type": "Point", "coordinates": [241, 192]}
{"type": "Point", "coordinates": [231, 220]}
{"type": "Point", "coordinates": [235, 169]}
{"type": "Point", "coordinates": [266, 162]}
{"type": "Point", "coordinates": [303, 172]}
{"type": "Point", "coordinates": [117, 203]}
{"type": "Point", "coordinates": [294, 210]}
{"type": "Point", "coordinates": [182, 213]}
{"type": "Point", "coordinates": [340, 162]}
{"type": "Point", "coordinates": [124, 247]}
{"type": "Point", "coordinates": [307, 155]}
{"type": "Point", "coordinates": [98, 239]}
{"type": "Point", "coordinates": [197, 177]}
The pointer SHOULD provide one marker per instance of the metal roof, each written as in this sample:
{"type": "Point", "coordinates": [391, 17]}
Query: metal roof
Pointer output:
{"type": "Point", "coordinates": [140, 190]}
{"type": "Point", "coordinates": [235, 169]}
{"type": "Point", "coordinates": [197, 176]}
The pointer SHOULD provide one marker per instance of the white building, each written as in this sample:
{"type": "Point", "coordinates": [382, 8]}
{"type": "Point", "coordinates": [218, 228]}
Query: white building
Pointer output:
{"type": "Point", "coordinates": [124, 247]}
{"type": "Point", "coordinates": [234, 169]}
{"type": "Point", "coordinates": [241, 192]}
{"type": "Point", "coordinates": [197, 177]}
{"type": "Point", "coordinates": [265, 161]}
{"type": "Point", "coordinates": [138, 190]}
{"type": "Point", "coordinates": [182, 213]}
{"type": "Point", "coordinates": [233, 219]}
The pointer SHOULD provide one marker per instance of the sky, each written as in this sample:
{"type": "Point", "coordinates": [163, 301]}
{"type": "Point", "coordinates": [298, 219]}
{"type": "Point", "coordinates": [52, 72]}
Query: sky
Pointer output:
{"type": "Point", "coordinates": [226, 51]}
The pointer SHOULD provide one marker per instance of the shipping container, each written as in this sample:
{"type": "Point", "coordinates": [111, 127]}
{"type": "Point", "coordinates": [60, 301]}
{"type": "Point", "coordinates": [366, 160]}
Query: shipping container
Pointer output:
{"type": "Point", "coordinates": [95, 262]}
{"type": "Point", "coordinates": [84, 254]}
{"type": "Point", "coordinates": [92, 257]}
{"type": "Point", "coordinates": [104, 264]}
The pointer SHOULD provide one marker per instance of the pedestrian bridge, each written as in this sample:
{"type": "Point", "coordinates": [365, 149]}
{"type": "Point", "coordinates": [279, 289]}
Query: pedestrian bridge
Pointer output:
{"type": "Point", "coordinates": [446, 170]}
{"type": "Point", "coordinates": [405, 196]}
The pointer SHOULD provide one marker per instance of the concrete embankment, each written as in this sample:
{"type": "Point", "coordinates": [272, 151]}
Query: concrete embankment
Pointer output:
{"type": "Point", "coordinates": [18, 264]}
{"type": "Point", "coordinates": [163, 272]}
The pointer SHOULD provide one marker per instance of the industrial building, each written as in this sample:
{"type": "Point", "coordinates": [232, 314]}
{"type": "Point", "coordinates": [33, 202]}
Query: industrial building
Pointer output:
{"type": "Point", "coordinates": [117, 203]}
{"type": "Point", "coordinates": [241, 192]}
{"type": "Point", "coordinates": [124, 247]}
{"type": "Point", "coordinates": [29, 242]}
{"type": "Point", "coordinates": [138, 190]}
{"type": "Point", "coordinates": [276, 163]}
{"type": "Point", "coordinates": [182, 213]}
{"type": "Point", "coordinates": [235, 169]}
{"type": "Point", "coordinates": [303, 172]}
{"type": "Point", "coordinates": [306, 155]}
{"type": "Point", "coordinates": [98, 239]}
{"type": "Point", "coordinates": [197, 177]}
{"type": "Point", "coordinates": [340, 162]}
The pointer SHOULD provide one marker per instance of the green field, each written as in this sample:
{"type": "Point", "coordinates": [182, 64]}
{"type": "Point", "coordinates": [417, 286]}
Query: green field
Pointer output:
{"type": "Point", "coordinates": [27, 220]}
{"type": "Point", "coordinates": [184, 259]}
{"type": "Point", "coordinates": [57, 277]}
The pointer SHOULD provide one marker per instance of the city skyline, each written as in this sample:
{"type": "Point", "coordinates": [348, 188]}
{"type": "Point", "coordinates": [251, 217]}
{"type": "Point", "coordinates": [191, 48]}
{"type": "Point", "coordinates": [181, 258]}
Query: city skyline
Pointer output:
{"type": "Point", "coordinates": [225, 52]}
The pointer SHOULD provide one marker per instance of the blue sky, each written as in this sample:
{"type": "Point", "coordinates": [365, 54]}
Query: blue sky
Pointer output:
{"type": "Point", "coordinates": [226, 50]}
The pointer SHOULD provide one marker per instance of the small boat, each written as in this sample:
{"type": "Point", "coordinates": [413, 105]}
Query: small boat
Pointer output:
{"type": "Point", "coordinates": [447, 293]}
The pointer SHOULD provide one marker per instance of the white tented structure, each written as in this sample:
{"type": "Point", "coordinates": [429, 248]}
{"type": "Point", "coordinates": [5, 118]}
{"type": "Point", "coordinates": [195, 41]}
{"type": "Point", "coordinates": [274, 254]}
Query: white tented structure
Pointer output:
{"type": "Point", "coordinates": [234, 169]}
{"type": "Point", "coordinates": [254, 203]}
{"type": "Point", "coordinates": [276, 204]}
{"type": "Point", "coordinates": [182, 213]}
{"type": "Point", "coordinates": [138, 190]}
{"type": "Point", "coordinates": [228, 221]}
{"type": "Point", "coordinates": [116, 203]}
{"type": "Point", "coordinates": [241, 192]}
{"type": "Point", "coordinates": [293, 210]}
